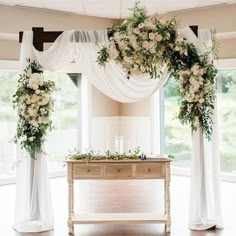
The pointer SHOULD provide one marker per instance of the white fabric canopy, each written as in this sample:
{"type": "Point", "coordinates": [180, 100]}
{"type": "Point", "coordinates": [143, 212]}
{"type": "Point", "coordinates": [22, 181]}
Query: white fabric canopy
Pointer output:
{"type": "Point", "coordinates": [205, 204]}
{"type": "Point", "coordinates": [111, 79]}
{"type": "Point", "coordinates": [81, 48]}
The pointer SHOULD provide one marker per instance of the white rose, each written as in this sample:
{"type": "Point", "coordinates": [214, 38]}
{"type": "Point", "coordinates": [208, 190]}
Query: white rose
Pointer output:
{"type": "Point", "coordinates": [201, 100]}
{"type": "Point", "coordinates": [20, 84]}
{"type": "Point", "coordinates": [23, 138]}
{"type": "Point", "coordinates": [141, 25]}
{"type": "Point", "coordinates": [152, 50]}
{"type": "Point", "coordinates": [177, 48]}
{"type": "Point", "coordinates": [137, 31]}
{"type": "Point", "coordinates": [31, 138]}
{"type": "Point", "coordinates": [28, 101]}
{"type": "Point", "coordinates": [122, 45]}
{"type": "Point", "coordinates": [145, 44]}
{"type": "Point", "coordinates": [151, 36]}
{"type": "Point", "coordinates": [151, 45]}
{"type": "Point", "coordinates": [167, 36]}
{"type": "Point", "coordinates": [32, 112]}
{"type": "Point", "coordinates": [195, 69]}
{"type": "Point", "coordinates": [37, 91]}
{"type": "Point", "coordinates": [201, 71]}
{"type": "Point", "coordinates": [158, 37]}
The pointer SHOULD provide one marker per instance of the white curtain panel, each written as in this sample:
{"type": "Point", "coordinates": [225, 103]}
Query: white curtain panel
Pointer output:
{"type": "Point", "coordinates": [205, 204]}
{"type": "Point", "coordinates": [33, 206]}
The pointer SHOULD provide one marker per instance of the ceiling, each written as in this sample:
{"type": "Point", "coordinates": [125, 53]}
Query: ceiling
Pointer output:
{"type": "Point", "coordinates": [117, 9]}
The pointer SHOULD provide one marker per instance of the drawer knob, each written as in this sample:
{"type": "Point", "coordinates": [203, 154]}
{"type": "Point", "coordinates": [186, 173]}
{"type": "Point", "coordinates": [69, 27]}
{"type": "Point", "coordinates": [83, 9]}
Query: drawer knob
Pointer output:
{"type": "Point", "coordinates": [88, 170]}
{"type": "Point", "coordinates": [118, 170]}
{"type": "Point", "coordinates": [149, 169]}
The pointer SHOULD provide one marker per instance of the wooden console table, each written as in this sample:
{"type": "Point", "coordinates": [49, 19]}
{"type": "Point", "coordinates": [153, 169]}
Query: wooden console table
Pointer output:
{"type": "Point", "coordinates": [153, 168]}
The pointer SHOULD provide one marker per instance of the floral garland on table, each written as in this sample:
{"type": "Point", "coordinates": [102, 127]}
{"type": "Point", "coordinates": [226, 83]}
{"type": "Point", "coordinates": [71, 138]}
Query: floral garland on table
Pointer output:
{"type": "Point", "coordinates": [34, 106]}
{"type": "Point", "coordinates": [136, 154]}
{"type": "Point", "coordinates": [142, 45]}
{"type": "Point", "coordinates": [92, 155]}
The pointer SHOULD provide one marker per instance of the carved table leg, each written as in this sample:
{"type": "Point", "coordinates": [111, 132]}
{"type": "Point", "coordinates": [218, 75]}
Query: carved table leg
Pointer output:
{"type": "Point", "coordinates": [70, 200]}
{"type": "Point", "coordinates": [167, 199]}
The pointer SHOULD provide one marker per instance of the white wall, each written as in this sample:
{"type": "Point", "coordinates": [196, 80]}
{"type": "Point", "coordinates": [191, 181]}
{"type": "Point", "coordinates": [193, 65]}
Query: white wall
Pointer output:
{"type": "Point", "coordinates": [221, 18]}
{"type": "Point", "coordinates": [135, 131]}
{"type": "Point", "coordinates": [15, 19]}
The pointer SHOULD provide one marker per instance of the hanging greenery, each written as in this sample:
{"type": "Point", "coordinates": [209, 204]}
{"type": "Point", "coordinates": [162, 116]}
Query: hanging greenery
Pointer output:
{"type": "Point", "coordinates": [142, 45]}
{"type": "Point", "coordinates": [34, 106]}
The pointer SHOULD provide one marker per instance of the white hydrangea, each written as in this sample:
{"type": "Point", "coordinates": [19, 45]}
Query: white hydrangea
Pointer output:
{"type": "Point", "coordinates": [35, 80]}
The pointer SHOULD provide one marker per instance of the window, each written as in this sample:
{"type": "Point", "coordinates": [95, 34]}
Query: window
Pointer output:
{"type": "Point", "coordinates": [226, 81]}
{"type": "Point", "coordinates": [8, 118]}
{"type": "Point", "coordinates": [177, 137]}
{"type": "Point", "coordinates": [66, 133]}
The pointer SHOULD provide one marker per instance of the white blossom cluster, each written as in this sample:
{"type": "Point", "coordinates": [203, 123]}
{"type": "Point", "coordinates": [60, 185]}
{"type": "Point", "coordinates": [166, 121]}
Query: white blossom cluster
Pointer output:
{"type": "Point", "coordinates": [142, 45]}
{"type": "Point", "coordinates": [34, 103]}
{"type": "Point", "coordinates": [195, 90]}
{"type": "Point", "coordinates": [139, 48]}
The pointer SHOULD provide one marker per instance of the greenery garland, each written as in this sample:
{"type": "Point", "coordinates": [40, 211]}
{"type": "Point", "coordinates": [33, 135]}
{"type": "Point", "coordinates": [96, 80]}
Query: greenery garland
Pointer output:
{"type": "Point", "coordinates": [142, 44]}
{"type": "Point", "coordinates": [34, 106]}
{"type": "Point", "coordinates": [136, 154]}
{"type": "Point", "coordinates": [92, 155]}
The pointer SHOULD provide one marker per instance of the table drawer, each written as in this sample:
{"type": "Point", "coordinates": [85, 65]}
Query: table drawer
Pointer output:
{"type": "Point", "coordinates": [86, 171]}
{"type": "Point", "coordinates": [150, 171]}
{"type": "Point", "coordinates": [118, 171]}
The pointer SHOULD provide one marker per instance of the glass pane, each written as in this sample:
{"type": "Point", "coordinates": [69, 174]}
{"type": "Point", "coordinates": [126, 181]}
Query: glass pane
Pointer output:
{"type": "Point", "coordinates": [227, 119]}
{"type": "Point", "coordinates": [178, 141]}
{"type": "Point", "coordinates": [64, 137]}
{"type": "Point", "coordinates": [8, 118]}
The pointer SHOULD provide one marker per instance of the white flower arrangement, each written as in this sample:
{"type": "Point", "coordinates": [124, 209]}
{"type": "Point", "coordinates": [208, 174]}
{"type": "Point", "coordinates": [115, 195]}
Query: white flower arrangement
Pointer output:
{"type": "Point", "coordinates": [142, 45]}
{"type": "Point", "coordinates": [34, 106]}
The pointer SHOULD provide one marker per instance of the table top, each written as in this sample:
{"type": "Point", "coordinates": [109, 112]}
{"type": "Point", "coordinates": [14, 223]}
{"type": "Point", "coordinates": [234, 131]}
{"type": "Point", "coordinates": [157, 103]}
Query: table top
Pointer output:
{"type": "Point", "coordinates": [158, 158]}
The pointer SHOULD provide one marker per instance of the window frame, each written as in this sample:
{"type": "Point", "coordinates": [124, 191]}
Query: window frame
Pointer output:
{"type": "Point", "coordinates": [229, 63]}
{"type": "Point", "coordinates": [83, 112]}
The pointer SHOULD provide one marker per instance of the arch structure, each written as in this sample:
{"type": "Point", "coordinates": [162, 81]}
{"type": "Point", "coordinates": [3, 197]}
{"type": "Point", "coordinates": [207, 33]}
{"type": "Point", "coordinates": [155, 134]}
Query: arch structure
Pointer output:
{"type": "Point", "coordinates": [129, 64]}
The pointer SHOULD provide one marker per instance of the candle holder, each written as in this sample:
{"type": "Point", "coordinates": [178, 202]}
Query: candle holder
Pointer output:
{"type": "Point", "coordinates": [119, 144]}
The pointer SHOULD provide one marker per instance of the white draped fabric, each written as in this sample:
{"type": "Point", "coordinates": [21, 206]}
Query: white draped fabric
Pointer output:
{"type": "Point", "coordinates": [81, 48]}
{"type": "Point", "coordinates": [205, 204]}
{"type": "Point", "coordinates": [33, 206]}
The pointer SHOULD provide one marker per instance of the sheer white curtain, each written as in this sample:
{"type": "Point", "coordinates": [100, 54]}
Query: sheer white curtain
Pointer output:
{"type": "Point", "coordinates": [33, 207]}
{"type": "Point", "coordinates": [81, 48]}
{"type": "Point", "coordinates": [205, 204]}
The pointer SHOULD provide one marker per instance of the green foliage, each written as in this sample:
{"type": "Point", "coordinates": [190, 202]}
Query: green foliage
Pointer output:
{"type": "Point", "coordinates": [96, 156]}
{"type": "Point", "coordinates": [142, 45]}
{"type": "Point", "coordinates": [34, 107]}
